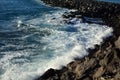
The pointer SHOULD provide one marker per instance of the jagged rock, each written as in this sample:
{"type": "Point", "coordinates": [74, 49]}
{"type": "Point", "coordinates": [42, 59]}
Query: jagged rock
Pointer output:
{"type": "Point", "coordinates": [104, 64]}
{"type": "Point", "coordinates": [48, 74]}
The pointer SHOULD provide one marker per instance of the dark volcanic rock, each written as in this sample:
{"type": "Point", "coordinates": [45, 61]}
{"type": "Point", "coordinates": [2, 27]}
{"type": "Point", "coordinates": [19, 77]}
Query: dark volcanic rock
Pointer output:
{"type": "Point", "coordinates": [87, 7]}
{"type": "Point", "coordinates": [103, 62]}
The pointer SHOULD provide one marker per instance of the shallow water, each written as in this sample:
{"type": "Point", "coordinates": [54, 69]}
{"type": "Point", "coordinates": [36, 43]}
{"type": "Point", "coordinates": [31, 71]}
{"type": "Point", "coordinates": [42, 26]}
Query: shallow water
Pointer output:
{"type": "Point", "coordinates": [34, 38]}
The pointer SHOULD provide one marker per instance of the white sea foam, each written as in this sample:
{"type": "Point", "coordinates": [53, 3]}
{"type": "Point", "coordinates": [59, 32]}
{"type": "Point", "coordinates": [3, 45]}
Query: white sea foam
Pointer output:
{"type": "Point", "coordinates": [64, 43]}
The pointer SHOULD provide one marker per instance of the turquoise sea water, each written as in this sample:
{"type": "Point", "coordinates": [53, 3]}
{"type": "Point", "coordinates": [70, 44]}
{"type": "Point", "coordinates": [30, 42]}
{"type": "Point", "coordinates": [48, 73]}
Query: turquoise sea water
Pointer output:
{"type": "Point", "coordinates": [34, 38]}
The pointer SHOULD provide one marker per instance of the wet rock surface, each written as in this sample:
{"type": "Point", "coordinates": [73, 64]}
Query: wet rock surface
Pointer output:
{"type": "Point", "coordinates": [103, 62]}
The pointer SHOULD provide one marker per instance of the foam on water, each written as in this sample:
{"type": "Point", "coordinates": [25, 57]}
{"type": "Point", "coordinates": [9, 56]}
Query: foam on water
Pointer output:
{"type": "Point", "coordinates": [61, 46]}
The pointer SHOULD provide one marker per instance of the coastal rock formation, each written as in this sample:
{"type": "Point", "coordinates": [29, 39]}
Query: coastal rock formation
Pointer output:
{"type": "Point", "coordinates": [103, 62]}
{"type": "Point", "coordinates": [87, 7]}
{"type": "Point", "coordinates": [109, 12]}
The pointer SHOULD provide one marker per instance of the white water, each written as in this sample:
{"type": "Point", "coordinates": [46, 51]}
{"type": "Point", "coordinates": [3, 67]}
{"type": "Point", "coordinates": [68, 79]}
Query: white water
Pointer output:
{"type": "Point", "coordinates": [60, 44]}
{"type": "Point", "coordinates": [64, 44]}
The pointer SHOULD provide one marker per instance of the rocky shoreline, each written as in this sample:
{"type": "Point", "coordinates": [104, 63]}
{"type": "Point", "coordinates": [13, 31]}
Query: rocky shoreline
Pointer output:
{"type": "Point", "coordinates": [103, 62]}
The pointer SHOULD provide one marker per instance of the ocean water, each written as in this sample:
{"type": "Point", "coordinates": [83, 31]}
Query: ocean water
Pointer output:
{"type": "Point", "coordinates": [34, 38]}
{"type": "Point", "coordinates": [113, 1]}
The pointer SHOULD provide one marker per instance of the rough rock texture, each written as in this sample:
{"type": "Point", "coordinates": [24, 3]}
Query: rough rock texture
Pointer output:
{"type": "Point", "coordinates": [87, 7]}
{"type": "Point", "coordinates": [103, 62]}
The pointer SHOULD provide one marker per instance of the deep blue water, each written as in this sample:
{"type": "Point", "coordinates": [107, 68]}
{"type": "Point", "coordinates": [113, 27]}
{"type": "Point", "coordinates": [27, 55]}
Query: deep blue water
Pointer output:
{"type": "Point", "coordinates": [34, 38]}
{"type": "Point", "coordinates": [114, 1]}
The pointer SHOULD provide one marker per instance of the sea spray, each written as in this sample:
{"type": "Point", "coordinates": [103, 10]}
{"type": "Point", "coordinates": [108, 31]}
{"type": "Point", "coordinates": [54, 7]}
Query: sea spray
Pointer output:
{"type": "Point", "coordinates": [44, 41]}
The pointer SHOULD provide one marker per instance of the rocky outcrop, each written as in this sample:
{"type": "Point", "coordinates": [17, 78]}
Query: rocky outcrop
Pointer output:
{"type": "Point", "coordinates": [109, 12]}
{"type": "Point", "coordinates": [103, 62]}
{"type": "Point", "coordinates": [87, 7]}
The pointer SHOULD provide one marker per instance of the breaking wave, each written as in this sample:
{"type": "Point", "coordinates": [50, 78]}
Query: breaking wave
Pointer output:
{"type": "Point", "coordinates": [29, 45]}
